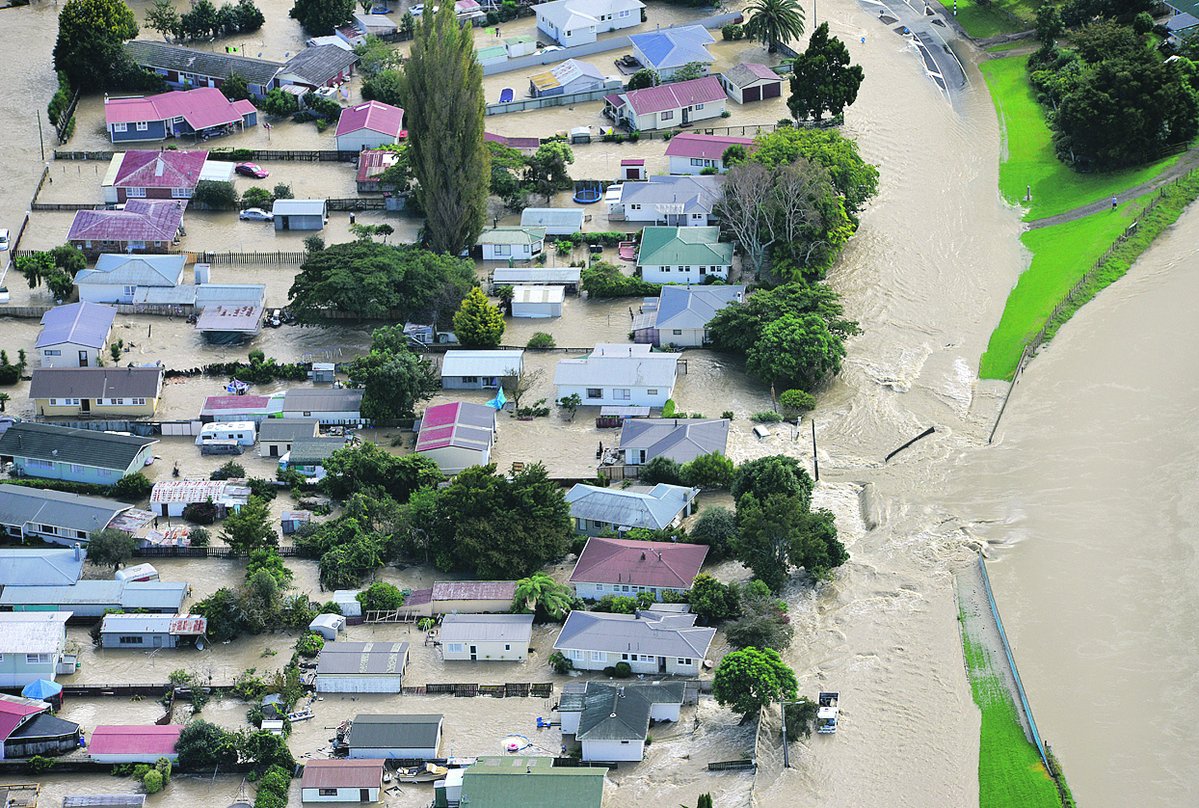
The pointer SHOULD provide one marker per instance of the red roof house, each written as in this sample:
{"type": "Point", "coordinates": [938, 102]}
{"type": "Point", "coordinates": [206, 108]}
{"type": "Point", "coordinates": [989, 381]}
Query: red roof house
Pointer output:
{"type": "Point", "coordinates": [342, 780]}
{"type": "Point", "coordinates": [143, 226]}
{"type": "Point", "coordinates": [158, 174]}
{"type": "Point", "coordinates": [667, 105]}
{"type": "Point", "coordinates": [528, 145]}
{"type": "Point", "coordinates": [627, 566]}
{"type": "Point", "coordinates": [691, 152]}
{"type": "Point", "coordinates": [372, 163]}
{"type": "Point", "coordinates": [368, 126]}
{"type": "Point", "coordinates": [116, 743]}
{"type": "Point", "coordinates": [203, 111]}
{"type": "Point", "coordinates": [457, 436]}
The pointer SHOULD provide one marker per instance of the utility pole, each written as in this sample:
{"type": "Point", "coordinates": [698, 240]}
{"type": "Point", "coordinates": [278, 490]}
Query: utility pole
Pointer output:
{"type": "Point", "coordinates": [786, 750]}
{"type": "Point", "coordinates": [41, 143]}
{"type": "Point", "coordinates": [815, 460]}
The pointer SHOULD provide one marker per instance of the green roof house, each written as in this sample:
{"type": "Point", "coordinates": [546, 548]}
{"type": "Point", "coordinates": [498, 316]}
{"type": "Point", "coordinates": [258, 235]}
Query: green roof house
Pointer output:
{"type": "Point", "coordinates": [521, 782]}
{"type": "Point", "coordinates": [518, 243]}
{"type": "Point", "coordinates": [683, 255]}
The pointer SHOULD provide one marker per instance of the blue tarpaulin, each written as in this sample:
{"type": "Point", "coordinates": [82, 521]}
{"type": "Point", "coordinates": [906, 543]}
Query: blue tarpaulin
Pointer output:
{"type": "Point", "coordinates": [41, 689]}
{"type": "Point", "coordinates": [499, 401]}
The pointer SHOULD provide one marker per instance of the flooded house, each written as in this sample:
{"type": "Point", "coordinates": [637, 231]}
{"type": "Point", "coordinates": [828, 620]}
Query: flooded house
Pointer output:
{"type": "Point", "coordinates": [149, 631]}
{"type": "Point", "coordinates": [338, 406]}
{"type": "Point", "coordinates": [611, 721]}
{"type": "Point", "coordinates": [300, 214]}
{"type": "Point", "coordinates": [689, 255]}
{"type": "Point", "coordinates": [27, 728]}
{"type": "Point", "coordinates": [617, 374]}
{"type": "Point", "coordinates": [184, 68]}
{"type": "Point", "coordinates": [511, 243]}
{"type": "Point", "coordinates": [579, 22]}
{"type": "Point", "coordinates": [276, 435]}
{"type": "Point", "coordinates": [343, 781]}
{"type": "Point", "coordinates": [393, 736]}
{"type": "Point", "coordinates": [457, 435]}
{"type": "Point", "coordinates": [368, 126]}
{"type": "Point", "coordinates": [103, 391]}
{"type": "Point", "coordinates": [567, 78]}
{"type": "Point", "coordinates": [200, 113]}
{"type": "Point", "coordinates": [627, 567]}
{"type": "Point", "coordinates": [145, 226]}
{"type": "Point", "coordinates": [669, 50]}
{"type": "Point", "coordinates": [480, 370]}
{"type": "Point", "coordinates": [56, 517]}
{"type": "Point", "coordinates": [75, 455]}
{"type": "Point", "coordinates": [481, 637]}
{"type": "Point", "coordinates": [145, 174]}
{"type": "Point", "coordinates": [32, 646]}
{"type": "Point", "coordinates": [93, 599]}
{"type": "Point", "coordinates": [649, 642]}
{"type": "Point", "coordinates": [679, 439]}
{"type": "Point", "coordinates": [29, 566]}
{"type": "Point", "coordinates": [556, 221]}
{"type": "Point", "coordinates": [171, 497]}
{"type": "Point", "coordinates": [749, 82]}
{"type": "Point", "coordinates": [123, 743]}
{"type": "Point", "coordinates": [538, 302]}
{"type": "Point", "coordinates": [118, 278]}
{"type": "Point", "coordinates": [675, 201]}
{"type": "Point", "coordinates": [680, 315]}
{"type": "Point", "coordinates": [598, 510]}
{"type": "Point", "coordinates": [362, 667]}
{"type": "Point", "coordinates": [308, 455]}
{"type": "Point", "coordinates": [74, 335]}
{"type": "Point", "coordinates": [667, 105]}
{"type": "Point", "coordinates": [521, 782]}
{"type": "Point", "coordinates": [692, 152]}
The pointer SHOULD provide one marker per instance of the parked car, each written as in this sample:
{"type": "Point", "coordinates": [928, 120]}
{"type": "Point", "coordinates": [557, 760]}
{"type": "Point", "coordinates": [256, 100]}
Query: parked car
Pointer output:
{"type": "Point", "coordinates": [551, 49]}
{"type": "Point", "coordinates": [3, 239]}
{"type": "Point", "coordinates": [256, 215]}
{"type": "Point", "coordinates": [417, 10]}
{"type": "Point", "coordinates": [252, 170]}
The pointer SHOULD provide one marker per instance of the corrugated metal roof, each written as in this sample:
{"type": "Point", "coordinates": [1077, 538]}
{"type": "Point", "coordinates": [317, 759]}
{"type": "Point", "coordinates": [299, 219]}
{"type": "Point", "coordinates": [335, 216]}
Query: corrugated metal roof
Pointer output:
{"type": "Point", "coordinates": [32, 632]}
{"type": "Point", "coordinates": [287, 429]}
{"type": "Point", "coordinates": [134, 270]}
{"type": "Point", "coordinates": [642, 563]}
{"type": "Point", "coordinates": [694, 306]}
{"type": "Point", "coordinates": [513, 275]}
{"type": "Point", "coordinates": [474, 590]}
{"type": "Point", "coordinates": [96, 382]}
{"type": "Point", "coordinates": [25, 566]}
{"type": "Point", "coordinates": [512, 235]}
{"type": "Point", "coordinates": [636, 506]}
{"type": "Point", "coordinates": [126, 594]}
{"type": "Point", "coordinates": [681, 440]}
{"type": "Point", "coordinates": [84, 324]}
{"type": "Point", "coordinates": [116, 739]}
{"type": "Point", "coordinates": [552, 217]}
{"type": "Point", "coordinates": [298, 207]}
{"type": "Point", "coordinates": [21, 505]}
{"type": "Point", "coordinates": [538, 294]}
{"type": "Point", "coordinates": [342, 773]}
{"type": "Point", "coordinates": [514, 628]}
{"type": "Point", "coordinates": [62, 444]}
{"type": "Point", "coordinates": [621, 712]}
{"type": "Point", "coordinates": [392, 730]}
{"type": "Point", "coordinates": [458, 363]}
{"type": "Point", "coordinates": [365, 658]}
{"type": "Point", "coordinates": [673, 47]}
{"type": "Point", "coordinates": [328, 400]}
{"type": "Point", "coordinates": [666, 635]}
{"type": "Point", "coordinates": [610, 366]}
{"type": "Point", "coordinates": [313, 451]}
{"type": "Point", "coordinates": [531, 782]}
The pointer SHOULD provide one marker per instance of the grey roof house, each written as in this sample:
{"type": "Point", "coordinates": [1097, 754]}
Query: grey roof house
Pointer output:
{"type": "Point", "coordinates": [394, 736]}
{"type": "Point", "coordinates": [96, 391]}
{"type": "Point", "coordinates": [20, 566]}
{"type": "Point", "coordinates": [680, 315]}
{"type": "Point", "coordinates": [680, 440]}
{"type": "Point", "coordinates": [328, 406]}
{"type": "Point", "coordinates": [318, 66]}
{"type": "Point", "coordinates": [276, 435]}
{"type": "Point", "coordinates": [55, 516]}
{"type": "Point", "coordinates": [361, 667]}
{"type": "Point", "coordinates": [79, 455]}
{"type": "Point", "coordinates": [185, 67]}
{"type": "Point", "coordinates": [74, 335]}
{"type": "Point", "coordinates": [612, 721]}
{"type": "Point", "coordinates": [307, 455]}
{"type": "Point", "coordinates": [668, 50]}
{"type": "Point", "coordinates": [463, 370]}
{"type": "Point", "coordinates": [95, 598]}
{"type": "Point", "coordinates": [485, 636]}
{"type": "Point", "coordinates": [650, 642]}
{"type": "Point", "coordinates": [597, 510]}
{"type": "Point", "coordinates": [679, 201]}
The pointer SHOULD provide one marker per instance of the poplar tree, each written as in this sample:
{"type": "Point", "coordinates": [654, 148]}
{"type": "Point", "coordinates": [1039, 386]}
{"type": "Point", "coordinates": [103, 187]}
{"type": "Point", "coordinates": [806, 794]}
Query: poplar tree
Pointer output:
{"type": "Point", "coordinates": [442, 91]}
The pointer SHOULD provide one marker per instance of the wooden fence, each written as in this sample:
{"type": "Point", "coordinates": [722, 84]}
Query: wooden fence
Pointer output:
{"type": "Point", "coordinates": [231, 258]}
{"type": "Point", "coordinates": [64, 120]}
{"type": "Point", "coordinates": [357, 203]}
{"type": "Point", "coordinates": [66, 206]}
{"type": "Point", "coordinates": [285, 155]}
{"type": "Point", "coordinates": [24, 311]}
{"type": "Point", "coordinates": [542, 690]}
{"type": "Point", "coordinates": [62, 154]}
{"type": "Point", "coordinates": [286, 551]}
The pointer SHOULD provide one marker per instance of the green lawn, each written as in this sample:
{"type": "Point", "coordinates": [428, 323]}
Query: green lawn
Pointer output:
{"type": "Point", "coordinates": [1061, 255]}
{"type": "Point", "coordinates": [992, 19]}
{"type": "Point", "coordinates": [1010, 772]}
{"type": "Point", "coordinates": [1029, 158]}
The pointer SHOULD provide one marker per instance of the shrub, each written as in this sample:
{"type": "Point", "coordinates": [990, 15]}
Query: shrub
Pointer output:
{"type": "Point", "coordinates": [132, 487]}
{"type": "Point", "coordinates": [622, 670]}
{"type": "Point", "coordinates": [727, 415]}
{"type": "Point", "coordinates": [797, 401]}
{"type": "Point", "coordinates": [202, 513]}
{"type": "Point", "coordinates": [603, 280]}
{"type": "Point", "coordinates": [712, 470]}
{"type": "Point", "coordinates": [732, 32]}
{"type": "Point", "coordinates": [661, 470]}
{"type": "Point", "coordinates": [214, 195]}
{"type": "Point", "coordinates": [669, 408]}
{"type": "Point", "coordinates": [40, 765]}
{"type": "Point", "coordinates": [541, 340]}
{"type": "Point", "coordinates": [310, 645]}
{"type": "Point", "coordinates": [256, 197]}
{"type": "Point", "coordinates": [560, 663]}
{"type": "Point", "coordinates": [152, 782]}
{"type": "Point", "coordinates": [163, 767]}
{"type": "Point", "coordinates": [616, 604]}
{"type": "Point", "coordinates": [199, 536]}
{"type": "Point", "coordinates": [766, 417]}
{"type": "Point", "coordinates": [229, 471]}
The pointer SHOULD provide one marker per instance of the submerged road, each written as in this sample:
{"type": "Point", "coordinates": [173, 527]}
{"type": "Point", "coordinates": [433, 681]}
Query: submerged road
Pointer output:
{"type": "Point", "coordinates": [930, 36]}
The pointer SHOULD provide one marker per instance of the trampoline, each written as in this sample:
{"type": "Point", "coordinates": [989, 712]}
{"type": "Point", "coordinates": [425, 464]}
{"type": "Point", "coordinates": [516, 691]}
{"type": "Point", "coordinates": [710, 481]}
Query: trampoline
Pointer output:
{"type": "Point", "coordinates": [506, 95]}
{"type": "Point", "coordinates": [588, 191]}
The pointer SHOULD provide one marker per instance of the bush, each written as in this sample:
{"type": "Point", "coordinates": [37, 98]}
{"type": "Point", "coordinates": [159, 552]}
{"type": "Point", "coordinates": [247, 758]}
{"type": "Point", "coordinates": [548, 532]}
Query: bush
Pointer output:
{"type": "Point", "coordinates": [152, 782]}
{"type": "Point", "coordinates": [201, 513]}
{"type": "Point", "coordinates": [40, 765]}
{"type": "Point", "coordinates": [132, 487]}
{"type": "Point", "coordinates": [712, 470]}
{"type": "Point", "coordinates": [622, 670]}
{"type": "Point", "coordinates": [732, 32]}
{"type": "Point", "coordinates": [214, 195]}
{"type": "Point", "coordinates": [163, 767]}
{"type": "Point", "coordinates": [229, 471]}
{"type": "Point", "coordinates": [717, 528]}
{"type": "Point", "coordinates": [727, 415]}
{"type": "Point", "coordinates": [797, 401]}
{"type": "Point", "coordinates": [766, 417]}
{"type": "Point", "coordinates": [310, 645]}
{"type": "Point", "coordinates": [603, 280]}
{"type": "Point", "coordinates": [661, 470]}
{"type": "Point", "coordinates": [541, 340]}
{"type": "Point", "coordinates": [560, 663]}
{"type": "Point", "coordinates": [616, 604]}
{"type": "Point", "coordinates": [669, 408]}
{"type": "Point", "coordinates": [256, 197]}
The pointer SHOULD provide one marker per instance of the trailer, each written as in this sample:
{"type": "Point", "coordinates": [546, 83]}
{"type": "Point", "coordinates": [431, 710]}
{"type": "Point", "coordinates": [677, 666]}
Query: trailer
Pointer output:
{"type": "Point", "coordinates": [827, 711]}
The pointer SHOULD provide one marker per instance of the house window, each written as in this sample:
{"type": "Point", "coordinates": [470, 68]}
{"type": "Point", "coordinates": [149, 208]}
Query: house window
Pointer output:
{"type": "Point", "coordinates": [54, 402]}
{"type": "Point", "coordinates": [624, 587]}
{"type": "Point", "coordinates": [668, 115]}
{"type": "Point", "coordinates": [76, 469]}
{"type": "Point", "coordinates": [181, 193]}
{"type": "Point", "coordinates": [507, 647]}
{"type": "Point", "coordinates": [678, 332]}
{"type": "Point", "coordinates": [635, 206]}
{"type": "Point", "coordinates": [128, 291]}
{"type": "Point", "coordinates": [37, 659]}
{"type": "Point", "coordinates": [647, 657]}
{"type": "Point", "coordinates": [470, 379]}
{"type": "Point", "coordinates": [120, 127]}
{"type": "Point", "coordinates": [595, 392]}
{"type": "Point", "coordinates": [327, 792]}
{"type": "Point", "coordinates": [139, 401]}
{"type": "Point", "coordinates": [502, 249]}
{"type": "Point", "coordinates": [142, 126]}
{"type": "Point", "coordinates": [598, 656]}
{"type": "Point", "coordinates": [699, 106]}
{"type": "Point", "coordinates": [49, 352]}
{"type": "Point", "coordinates": [684, 661]}
{"type": "Point", "coordinates": [622, 394]}
{"type": "Point", "coordinates": [703, 270]}
{"type": "Point", "coordinates": [698, 161]}
{"type": "Point", "coordinates": [135, 192]}
{"type": "Point", "coordinates": [624, 657]}
{"type": "Point", "coordinates": [653, 391]}
{"type": "Point", "coordinates": [455, 647]}
{"type": "Point", "coordinates": [130, 640]}
{"type": "Point", "coordinates": [575, 654]}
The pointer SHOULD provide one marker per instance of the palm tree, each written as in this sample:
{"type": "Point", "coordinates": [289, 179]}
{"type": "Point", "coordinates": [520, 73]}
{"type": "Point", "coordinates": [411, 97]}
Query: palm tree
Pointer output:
{"type": "Point", "coordinates": [772, 22]}
{"type": "Point", "coordinates": [540, 592]}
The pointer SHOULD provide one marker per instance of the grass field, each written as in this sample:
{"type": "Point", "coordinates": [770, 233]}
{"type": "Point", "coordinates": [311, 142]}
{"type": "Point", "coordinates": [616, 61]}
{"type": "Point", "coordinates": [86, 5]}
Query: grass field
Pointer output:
{"type": "Point", "coordinates": [1030, 159]}
{"type": "Point", "coordinates": [997, 17]}
{"type": "Point", "coordinates": [1062, 254]}
{"type": "Point", "coordinates": [1010, 772]}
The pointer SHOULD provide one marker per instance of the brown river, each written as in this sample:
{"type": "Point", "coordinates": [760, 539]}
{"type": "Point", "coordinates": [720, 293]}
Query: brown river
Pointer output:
{"type": "Point", "coordinates": [1082, 501]}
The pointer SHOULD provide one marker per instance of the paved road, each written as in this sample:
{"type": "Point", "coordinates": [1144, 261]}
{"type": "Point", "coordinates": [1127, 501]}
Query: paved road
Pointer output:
{"type": "Point", "coordinates": [930, 37]}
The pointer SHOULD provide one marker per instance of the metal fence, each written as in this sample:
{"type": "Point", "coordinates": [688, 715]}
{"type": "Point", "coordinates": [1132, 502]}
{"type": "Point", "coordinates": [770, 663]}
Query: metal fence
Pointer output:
{"type": "Point", "coordinates": [470, 689]}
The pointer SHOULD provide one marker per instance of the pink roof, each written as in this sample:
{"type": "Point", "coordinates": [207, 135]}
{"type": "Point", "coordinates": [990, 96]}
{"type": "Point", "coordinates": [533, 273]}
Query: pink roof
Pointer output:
{"type": "Point", "coordinates": [643, 563]}
{"type": "Point", "coordinates": [467, 426]}
{"type": "Point", "coordinates": [160, 169]}
{"type": "Point", "coordinates": [513, 142]}
{"type": "Point", "coordinates": [709, 147]}
{"type": "Point", "coordinates": [135, 740]}
{"type": "Point", "coordinates": [675, 96]}
{"type": "Point", "coordinates": [13, 714]}
{"type": "Point", "coordinates": [141, 220]}
{"type": "Point", "coordinates": [235, 402]}
{"type": "Point", "coordinates": [761, 71]}
{"type": "Point", "coordinates": [373, 115]}
{"type": "Point", "coordinates": [373, 162]}
{"type": "Point", "coordinates": [343, 773]}
{"type": "Point", "coordinates": [633, 161]}
{"type": "Point", "coordinates": [202, 108]}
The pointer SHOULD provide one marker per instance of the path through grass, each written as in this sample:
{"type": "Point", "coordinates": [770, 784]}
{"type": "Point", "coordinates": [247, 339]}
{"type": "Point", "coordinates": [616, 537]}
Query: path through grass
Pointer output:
{"type": "Point", "coordinates": [1030, 159]}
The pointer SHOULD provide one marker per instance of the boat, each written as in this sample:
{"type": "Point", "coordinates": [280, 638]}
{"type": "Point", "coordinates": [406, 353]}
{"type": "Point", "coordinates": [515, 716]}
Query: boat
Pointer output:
{"type": "Point", "coordinates": [827, 709]}
{"type": "Point", "coordinates": [300, 715]}
{"type": "Point", "coordinates": [420, 774]}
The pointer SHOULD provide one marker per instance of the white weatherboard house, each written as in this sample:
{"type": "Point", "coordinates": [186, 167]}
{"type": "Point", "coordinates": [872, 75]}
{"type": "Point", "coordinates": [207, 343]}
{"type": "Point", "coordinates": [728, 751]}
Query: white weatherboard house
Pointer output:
{"type": "Point", "coordinates": [25, 566]}
{"type": "Point", "coordinates": [683, 255]}
{"type": "Point", "coordinates": [598, 510]}
{"type": "Point", "coordinates": [515, 243]}
{"type": "Point", "coordinates": [567, 78]}
{"type": "Point", "coordinates": [171, 497]}
{"type": "Point", "coordinates": [116, 278]}
{"type": "Point", "coordinates": [688, 201]}
{"type": "Point", "coordinates": [667, 105]}
{"type": "Point", "coordinates": [611, 721]}
{"type": "Point", "coordinates": [55, 516]}
{"type": "Point", "coordinates": [300, 214]}
{"type": "Point", "coordinates": [578, 22]}
{"type": "Point", "coordinates": [538, 302]}
{"type": "Point", "coordinates": [276, 435]}
{"type": "Point", "coordinates": [477, 637]}
{"type": "Point", "coordinates": [457, 436]}
{"type": "Point", "coordinates": [749, 81]}
{"type": "Point", "coordinates": [343, 781]}
{"type": "Point", "coordinates": [618, 375]}
{"type": "Point", "coordinates": [74, 336]}
{"type": "Point", "coordinates": [479, 370]}
{"type": "Point", "coordinates": [692, 152]}
{"type": "Point", "coordinates": [362, 667]}
{"type": "Point", "coordinates": [31, 646]}
{"type": "Point", "coordinates": [556, 221]}
{"type": "Point", "coordinates": [683, 314]}
{"type": "Point", "coordinates": [392, 736]}
{"type": "Point", "coordinates": [650, 642]}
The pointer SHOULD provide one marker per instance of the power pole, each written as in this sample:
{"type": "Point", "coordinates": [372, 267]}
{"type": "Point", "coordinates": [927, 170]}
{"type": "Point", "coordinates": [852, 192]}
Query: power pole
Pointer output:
{"type": "Point", "coordinates": [815, 459]}
{"type": "Point", "coordinates": [41, 143]}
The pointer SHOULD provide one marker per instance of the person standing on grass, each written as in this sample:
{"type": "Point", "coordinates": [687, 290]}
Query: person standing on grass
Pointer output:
{"type": "Point", "coordinates": [1115, 202]}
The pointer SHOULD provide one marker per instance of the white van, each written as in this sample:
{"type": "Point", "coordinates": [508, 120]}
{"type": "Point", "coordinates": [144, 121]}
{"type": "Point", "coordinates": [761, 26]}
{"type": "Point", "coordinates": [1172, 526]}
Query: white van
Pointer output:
{"type": "Point", "coordinates": [3, 239]}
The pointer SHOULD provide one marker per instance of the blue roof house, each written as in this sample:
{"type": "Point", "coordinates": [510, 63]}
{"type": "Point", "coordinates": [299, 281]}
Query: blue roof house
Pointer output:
{"type": "Point", "coordinates": [117, 276]}
{"type": "Point", "coordinates": [670, 49]}
{"type": "Point", "coordinates": [74, 336]}
{"type": "Point", "coordinates": [78, 455]}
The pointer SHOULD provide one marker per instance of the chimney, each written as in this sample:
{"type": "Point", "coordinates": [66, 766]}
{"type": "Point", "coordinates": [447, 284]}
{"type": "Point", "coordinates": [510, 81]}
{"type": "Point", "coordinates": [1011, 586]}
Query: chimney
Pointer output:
{"type": "Point", "coordinates": [78, 551]}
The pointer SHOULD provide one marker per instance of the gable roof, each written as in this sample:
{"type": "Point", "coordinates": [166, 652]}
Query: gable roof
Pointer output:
{"type": "Point", "coordinates": [709, 147]}
{"type": "Point", "coordinates": [652, 633]}
{"type": "Point", "coordinates": [32, 632]}
{"type": "Point", "coordinates": [643, 563]}
{"type": "Point", "coordinates": [622, 712]}
{"type": "Point", "coordinates": [122, 739]}
{"type": "Point", "coordinates": [286, 429]}
{"type": "Point", "coordinates": [562, 74]}
{"type": "Point", "coordinates": [15, 711]}
{"type": "Point", "coordinates": [373, 115]}
{"type": "Point", "coordinates": [683, 245]}
{"type": "Point", "coordinates": [383, 730]}
{"type": "Point", "coordinates": [118, 269]}
{"type": "Point", "coordinates": [748, 73]}
{"type": "Point", "coordinates": [568, 15]}
{"type": "Point", "coordinates": [531, 782]}
{"type": "Point", "coordinates": [512, 235]}
{"type": "Point", "coordinates": [84, 324]}
{"type": "Point", "coordinates": [675, 193]}
{"type": "Point", "coordinates": [671, 96]}
{"type": "Point", "coordinates": [205, 63]}
{"type": "Point", "coordinates": [202, 108]}
{"type": "Point", "coordinates": [328, 400]}
{"type": "Point", "coordinates": [694, 306]}
{"type": "Point", "coordinates": [681, 440]}
{"type": "Point", "coordinates": [317, 65]}
{"type": "Point", "coordinates": [502, 362]}
{"type": "Point", "coordinates": [160, 169]}
{"type": "Point", "coordinates": [474, 590]}
{"type": "Point", "coordinates": [342, 773]}
{"type": "Point", "coordinates": [674, 47]}
{"type": "Point", "coordinates": [635, 506]}
{"type": "Point", "coordinates": [459, 424]}
{"type": "Point", "coordinates": [545, 217]}
{"type": "Point", "coordinates": [512, 628]}
{"type": "Point", "coordinates": [60, 444]}
{"type": "Point", "coordinates": [21, 505]}
{"type": "Point", "coordinates": [164, 595]}
{"type": "Point", "coordinates": [313, 451]}
{"type": "Point", "coordinates": [20, 566]}
{"type": "Point", "coordinates": [95, 382]}
{"type": "Point", "coordinates": [141, 220]}
{"type": "Point", "coordinates": [363, 658]}
{"type": "Point", "coordinates": [619, 365]}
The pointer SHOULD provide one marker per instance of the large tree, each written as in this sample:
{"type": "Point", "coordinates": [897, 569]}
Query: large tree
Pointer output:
{"type": "Point", "coordinates": [822, 79]}
{"type": "Point", "coordinates": [367, 468]}
{"type": "Point", "coordinates": [854, 178]}
{"type": "Point", "coordinates": [111, 547]}
{"type": "Point", "coordinates": [749, 679]}
{"type": "Point", "coordinates": [163, 18]}
{"type": "Point", "coordinates": [442, 90]}
{"type": "Point", "coordinates": [320, 17]}
{"type": "Point", "coordinates": [90, 47]}
{"type": "Point", "coordinates": [773, 474]}
{"type": "Point", "coordinates": [774, 22]}
{"type": "Point", "coordinates": [373, 281]}
{"type": "Point", "coordinates": [543, 596]}
{"type": "Point", "coordinates": [796, 351]}
{"type": "Point", "coordinates": [395, 379]}
{"type": "Point", "coordinates": [548, 169]}
{"type": "Point", "coordinates": [478, 323]}
{"type": "Point", "coordinates": [249, 528]}
{"type": "Point", "coordinates": [777, 532]}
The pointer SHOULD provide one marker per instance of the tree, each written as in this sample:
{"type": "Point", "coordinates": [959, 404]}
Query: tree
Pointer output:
{"type": "Point", "coordinates": [645, 77]}
{"type": "Point", "coordinates": [395, 379]}
{"type": "Point", "coordinates": [90, 46]}
{"type": "Point", "coordinates": [712, 470]}
{"type": "Point", "coordinates": [717, 528]}
{"type": "Point", "coordinates": [344, 566]}
{"type": "Point", "coordinates": [800, 717]}
{"type": "Point", "coordinates": [796, 401]}
{"type": "Point", "coordinates": [229, 470]}
{"type": "Point", "coordinates": [111, 546]}
{"type": "Point", "coordinates": [163, 18]}
{"type": "Point", "coordinates": [773, 474]}
{"type": "Point", "coordinates": [738, 327]}
{"type": "Point", "coordinates": [734, 155]}
{"type": "Point", "coordinates": [204, 746]}
{"type": "Point", "coordinates": [235, 88]}
{"type": "Point", "coordinates": [705, 800]}
{"type": "Point", "coordinates": [604, 280]}
{"type": "Point", "coordinates": [368, 468]}
{"type": "Point", "coordinates": [548, 168]}
{"type": "Point", "coordinates": [854, 178]}
{"type": "Point", "coordinates": [376, 56]}
{"type": "Point", "coordinates": [689, 71]}
{"type": "Point", "coordinates": [201, 22]}
{"type": "Point", "coordinates": [215, 195]}
{"type": "Point", "coordinates": [661, 469]}
{"type": "Point", "coordinates": [380, 597]}
{"type": "Point", "coordinates": [1049, 24]}
{"type": "Point", "coordinates": [774, 22]}
{"type": "Point", "coordinates": [777, 532]}
{"type": "Point", "coordinates": [752, 678]}
{"type": "Point", "coordinates": [796, 350]}
{"type": "Point", "coordinates": [268, 560]}
{"type": "Point", "coordinates": [711, 600]}
{"type": "Point", "coordinates": [442, 91]}
{"type": "Point", "coordinates": [384, 86]}
{"type": "Point", "coordinates": [478, 323]}
{"type": "Point", "coordinates": [763, 622]}
{"type": "Point", "coordinates": [278, 104]}
{"type": "Point", "coordinates": [543, 596]}
{"type": "Point", "coordinates": [321, 17]}
{"type": "Point", "coordinates": [376, 281]}
{"type": "Point", "coordinates": [224, 613]}
{"type": "Point", "coordinates": [822, 79]}
{"type": "Point", "coordinates": [248, 16]}
{"type": "Point", "coordinates": [817, 549]}
{"type": "Point", "coordinates": [248, 528]}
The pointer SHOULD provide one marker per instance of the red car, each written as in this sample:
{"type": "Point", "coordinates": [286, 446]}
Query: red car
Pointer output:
{"type": "Point", "coordinates": [252, 170]}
